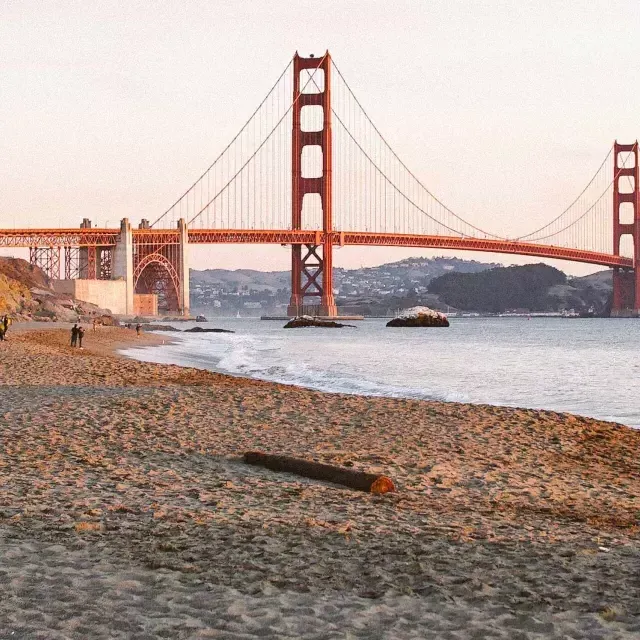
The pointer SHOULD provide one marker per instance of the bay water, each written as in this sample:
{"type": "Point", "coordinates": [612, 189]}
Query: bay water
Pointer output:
{"type": "Point", "coordinates": [589, 367]}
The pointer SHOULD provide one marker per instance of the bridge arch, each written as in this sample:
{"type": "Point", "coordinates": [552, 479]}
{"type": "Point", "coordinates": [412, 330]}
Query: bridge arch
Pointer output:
{"type": "Point", "coordinates": [156, 274]}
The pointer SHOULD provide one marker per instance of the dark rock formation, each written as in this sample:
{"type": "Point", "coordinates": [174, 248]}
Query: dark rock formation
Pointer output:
{"type": "Point", "coordinates": [308, 321]}
{"type": "Point", "coordinates": [154, 327]}
{"type": "Point", "coordinates": [203, 330]}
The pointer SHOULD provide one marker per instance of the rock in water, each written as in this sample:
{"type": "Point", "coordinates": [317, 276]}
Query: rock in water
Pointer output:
{"type": "Point", "coordinates": [203, 330]}
{"type": "Point", "coordinates": [419, 317]}
{"type": "Point", "coordinates": [308, 321]}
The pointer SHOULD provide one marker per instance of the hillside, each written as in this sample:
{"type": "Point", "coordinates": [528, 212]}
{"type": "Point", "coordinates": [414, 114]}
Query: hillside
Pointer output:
{"type": "Point", "coordinates": [371, 290]}
{"type": "Point", "coordinates": [440, 283]}
{"type": "Point", "coordinates": [528, 288]}
{"type": "Point", "coordinates": [26, 294]}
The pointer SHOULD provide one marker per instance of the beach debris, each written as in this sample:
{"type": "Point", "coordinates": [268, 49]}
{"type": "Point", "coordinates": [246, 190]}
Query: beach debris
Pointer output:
{"type": "Point", "coordinates": [309, 321]}
{"type": "Point", "coordinates": [419, 317]}
{"type": "Point", "coordinates": [371, 482]}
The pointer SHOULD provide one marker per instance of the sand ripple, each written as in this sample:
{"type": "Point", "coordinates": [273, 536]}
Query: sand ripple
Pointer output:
{"type": "Point", "coordinates": [125, 510]}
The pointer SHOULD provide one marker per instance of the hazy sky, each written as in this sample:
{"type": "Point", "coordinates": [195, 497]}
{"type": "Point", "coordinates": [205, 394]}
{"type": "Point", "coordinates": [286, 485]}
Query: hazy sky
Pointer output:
{"type": "Point", "coordinates": [504, 109]}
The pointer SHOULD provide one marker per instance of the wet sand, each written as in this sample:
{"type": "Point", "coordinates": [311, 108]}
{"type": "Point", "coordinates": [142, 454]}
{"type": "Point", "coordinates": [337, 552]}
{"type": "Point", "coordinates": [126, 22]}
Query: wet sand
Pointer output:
{"type": "Point", "coordinates": [125, 510]}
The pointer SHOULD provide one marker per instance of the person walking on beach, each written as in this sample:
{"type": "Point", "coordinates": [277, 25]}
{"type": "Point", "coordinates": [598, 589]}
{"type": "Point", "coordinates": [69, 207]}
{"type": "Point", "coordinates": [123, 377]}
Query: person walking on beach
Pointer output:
{"type": "Point", "coordinates": [74, 335]}
{"type": "Point", "coordinates": [6, 321]}
{"type": "Point", "coordinates": [80, 336]}
{"type": "Point", "coordinates": [138, 328]}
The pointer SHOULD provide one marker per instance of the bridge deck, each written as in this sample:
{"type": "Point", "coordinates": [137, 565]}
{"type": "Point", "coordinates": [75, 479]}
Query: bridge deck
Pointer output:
{"type": "Point", "coordinates": [108, 237]}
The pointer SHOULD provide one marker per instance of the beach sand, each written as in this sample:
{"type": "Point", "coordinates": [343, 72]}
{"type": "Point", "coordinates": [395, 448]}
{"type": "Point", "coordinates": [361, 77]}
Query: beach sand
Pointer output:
{"type": "Point", "coordinates": [126, 511]}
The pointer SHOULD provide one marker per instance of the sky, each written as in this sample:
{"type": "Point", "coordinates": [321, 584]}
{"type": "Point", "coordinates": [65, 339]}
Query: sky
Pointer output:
{"type": "Point", "coordinates": [504, 109]}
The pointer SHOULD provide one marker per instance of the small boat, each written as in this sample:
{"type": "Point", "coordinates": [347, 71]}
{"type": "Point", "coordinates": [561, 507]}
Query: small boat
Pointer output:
{"type": "Point", "coordinates": [200, 319]}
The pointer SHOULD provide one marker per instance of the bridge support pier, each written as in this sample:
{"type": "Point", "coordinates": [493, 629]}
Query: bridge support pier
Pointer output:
{"type": "Point", "coordinates": [183, 267]}
{"type": "Point", "coordinates": [626, 282]}
{"type": "Point", "coordinates": [312, 264]}
{"type": "Point", "coordinates": [122, 266]}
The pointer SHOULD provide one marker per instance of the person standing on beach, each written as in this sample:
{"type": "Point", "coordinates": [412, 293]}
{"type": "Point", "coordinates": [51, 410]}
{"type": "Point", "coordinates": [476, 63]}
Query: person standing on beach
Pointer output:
{"type": "Point", "coordinates": [74, 335]}
{"type": "Point", "coordinates": [95, 323]}
{"type": "Point", "coordinates": [6, 321]}
{"type": "Point", "coordinates": [80, 336]}
{"type": "Point", "coordinates": [138, 328]}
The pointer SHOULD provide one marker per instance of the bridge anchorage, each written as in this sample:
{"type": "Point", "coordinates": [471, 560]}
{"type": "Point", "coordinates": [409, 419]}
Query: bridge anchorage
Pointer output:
{"type": "Point", "coordinates": [310, 169]}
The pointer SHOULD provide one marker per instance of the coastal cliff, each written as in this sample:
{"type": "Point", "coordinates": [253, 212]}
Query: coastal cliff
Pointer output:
{"type": "Point", "coordinates": [26, 294]}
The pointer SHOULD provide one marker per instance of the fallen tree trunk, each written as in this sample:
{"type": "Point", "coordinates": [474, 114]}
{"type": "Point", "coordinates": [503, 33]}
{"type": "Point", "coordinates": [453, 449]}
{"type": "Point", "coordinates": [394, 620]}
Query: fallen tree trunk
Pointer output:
{"type": "Point", "coordinates": [371, 482]}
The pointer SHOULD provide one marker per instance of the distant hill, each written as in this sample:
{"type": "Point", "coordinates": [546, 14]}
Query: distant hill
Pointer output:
{"type": "Point", "coordinates": [500, 289]}
{"type": "Point", "coordinates": [440, 283]}
{"type": "Point", "coordinates": [261, 280]}
{"type": "Point", "coordinates": [371, 290]}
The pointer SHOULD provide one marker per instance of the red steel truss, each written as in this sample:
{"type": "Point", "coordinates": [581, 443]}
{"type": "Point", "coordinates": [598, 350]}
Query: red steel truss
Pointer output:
{"type": "Point", "coordinates": [344, 238]}
{"type": "Point", "coordinates": [474, 244]}
{"type": "Point", "coordinates": [36, 237]}
{"type": "Point", "coordinates": [47, 258]}
{"type": "Point", "coordinates": [156, 265]}
{"type": "Point", "coordinates": [58, 237]}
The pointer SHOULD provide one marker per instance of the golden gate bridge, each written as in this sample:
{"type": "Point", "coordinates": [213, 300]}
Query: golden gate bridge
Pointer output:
{"type": "Point", "coordinates": [311, 170]}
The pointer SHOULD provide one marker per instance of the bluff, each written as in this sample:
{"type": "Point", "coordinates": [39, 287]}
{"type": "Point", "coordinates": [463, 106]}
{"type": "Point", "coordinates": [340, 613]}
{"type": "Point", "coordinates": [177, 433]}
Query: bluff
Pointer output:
{"type": "Point", "coordinates": [26, 294]}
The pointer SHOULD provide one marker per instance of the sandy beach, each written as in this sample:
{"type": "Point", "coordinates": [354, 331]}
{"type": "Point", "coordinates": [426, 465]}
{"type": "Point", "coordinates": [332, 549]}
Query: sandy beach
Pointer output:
{"type": "Point", "coordinates": [126, 511]}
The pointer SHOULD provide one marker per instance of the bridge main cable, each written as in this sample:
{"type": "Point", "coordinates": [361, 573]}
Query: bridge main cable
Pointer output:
{"type": "Point", "coordinates": [222, 153]}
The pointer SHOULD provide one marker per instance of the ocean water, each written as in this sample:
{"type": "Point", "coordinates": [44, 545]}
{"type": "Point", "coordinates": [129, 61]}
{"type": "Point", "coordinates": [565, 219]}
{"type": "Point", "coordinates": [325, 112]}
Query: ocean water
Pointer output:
{"type": "Point", "coordinates": [589, 367]}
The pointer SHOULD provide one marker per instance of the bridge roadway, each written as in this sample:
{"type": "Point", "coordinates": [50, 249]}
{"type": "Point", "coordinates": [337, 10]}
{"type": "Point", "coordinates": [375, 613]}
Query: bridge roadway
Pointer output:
{"type": "Point", "coordinates": [108, 237]}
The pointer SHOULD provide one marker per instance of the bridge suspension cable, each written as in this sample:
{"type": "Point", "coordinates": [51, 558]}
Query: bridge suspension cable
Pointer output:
{"type": "Point", "coordinates": [410, 195]}
{"type": "Point", "coordinates": [246, 142]}
{"type": "Point", "coordinates": [248, 186]}
{"type": "Point", "coordinates": [603, 166]}
{"type": "Point", "coordinates": [587, 223]}
{"type": "Point", "coordinates": [275, 166]}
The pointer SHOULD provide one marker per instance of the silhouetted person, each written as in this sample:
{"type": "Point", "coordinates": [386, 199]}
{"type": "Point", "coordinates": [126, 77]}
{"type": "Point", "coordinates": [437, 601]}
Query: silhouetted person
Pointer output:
{"type": "Point", "coordinates": [80, 336]}
{"type": "Point", "coordinates": [138, 328]}
{"type": "Point", "coordinates": [1, 333]}
{"type": "Point", "coordinates": [74, 335]}
{"type": "Point", "coordinates": [5, 323]}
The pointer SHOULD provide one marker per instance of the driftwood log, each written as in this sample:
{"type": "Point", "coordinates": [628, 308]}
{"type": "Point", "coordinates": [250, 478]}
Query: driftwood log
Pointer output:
{"type": "Point", "coordinates": [371, 482]}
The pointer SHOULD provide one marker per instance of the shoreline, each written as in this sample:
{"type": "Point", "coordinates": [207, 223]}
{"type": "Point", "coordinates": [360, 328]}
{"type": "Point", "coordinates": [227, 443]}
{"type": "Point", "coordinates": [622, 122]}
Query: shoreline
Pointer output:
{"type": "Point", "coordinates": [123, 476]}
{"type": "Point", "coordinates": [318, 387]}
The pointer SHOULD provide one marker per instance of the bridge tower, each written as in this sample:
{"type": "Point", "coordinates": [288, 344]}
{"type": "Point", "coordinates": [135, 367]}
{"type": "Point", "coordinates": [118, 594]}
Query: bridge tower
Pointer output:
{"type": "Point", "coordinates": [626, 282]}
{"type": "Point", "coordinates": [312, 264]}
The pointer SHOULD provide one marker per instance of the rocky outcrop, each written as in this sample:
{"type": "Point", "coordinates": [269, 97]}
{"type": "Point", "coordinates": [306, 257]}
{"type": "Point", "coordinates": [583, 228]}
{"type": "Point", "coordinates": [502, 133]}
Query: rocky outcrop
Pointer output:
{"type": "Point", "coordinates": [308, 321]}
{"type": "Point", "coordinates": [203, 330]}
{"type": "Point", "coordinates": [26, 294]}
{"type": "Point", "coordinates": [148, 326]}
{"type": "Point", "coordinates": [419, 317]}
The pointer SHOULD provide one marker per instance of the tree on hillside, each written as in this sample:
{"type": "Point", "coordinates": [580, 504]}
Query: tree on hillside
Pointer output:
{"type": "Point", "coordinates": [499, 289]}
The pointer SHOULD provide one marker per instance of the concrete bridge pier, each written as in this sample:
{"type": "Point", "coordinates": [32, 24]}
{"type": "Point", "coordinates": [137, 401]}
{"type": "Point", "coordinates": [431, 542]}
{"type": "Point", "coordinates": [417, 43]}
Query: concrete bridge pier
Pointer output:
{"type": "Point", "coordinates": [183, 267]}
{"type": "Point", "coordinates": [122, 268]}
